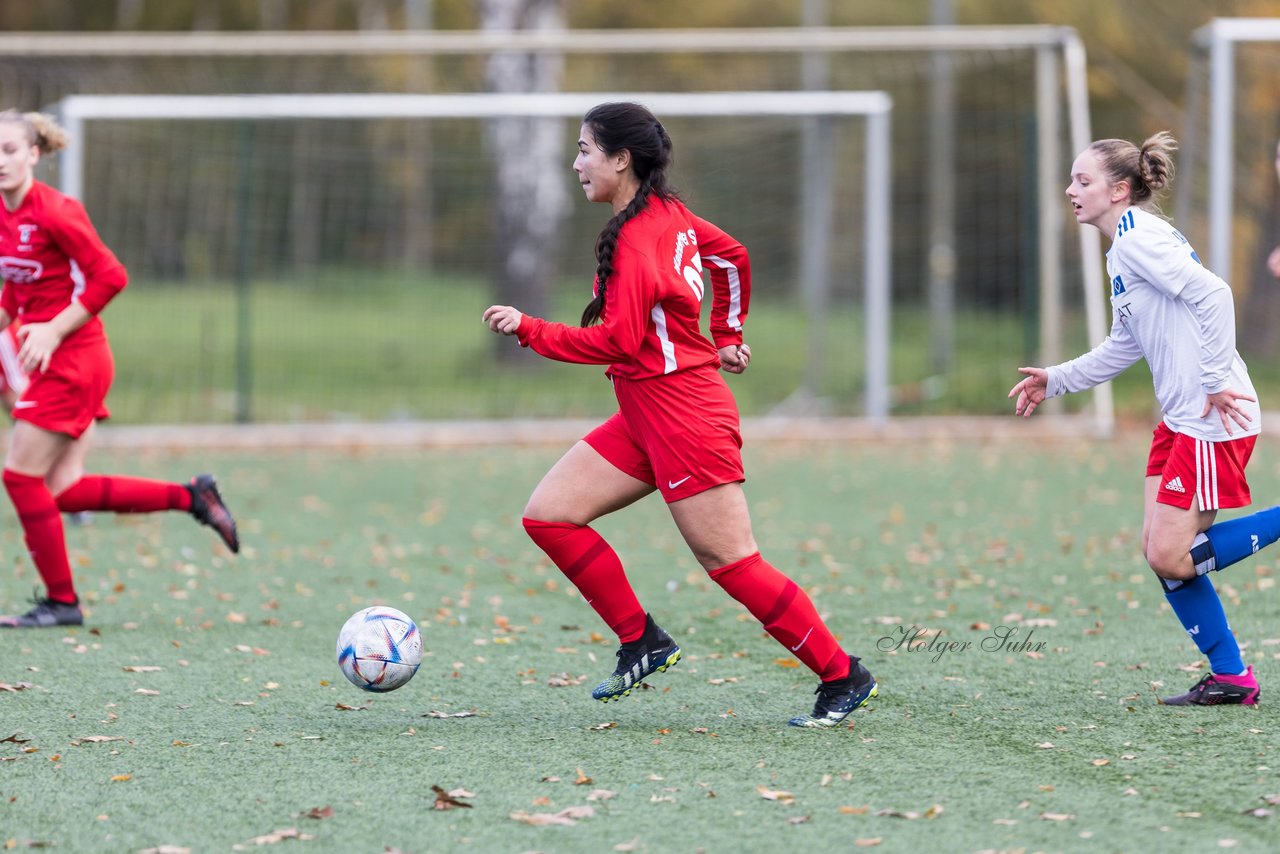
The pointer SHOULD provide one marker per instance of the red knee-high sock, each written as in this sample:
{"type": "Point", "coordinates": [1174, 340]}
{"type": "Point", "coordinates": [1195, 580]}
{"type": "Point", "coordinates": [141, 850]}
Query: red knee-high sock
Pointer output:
{"type": "Point", "coordinates": [594, 568]}
{"type": "Point", "coordinates": [42, 529]}
{"type": "Point", "coordinates": [787, 613]}
{"type": "Point", "coordinates": [123, 495]}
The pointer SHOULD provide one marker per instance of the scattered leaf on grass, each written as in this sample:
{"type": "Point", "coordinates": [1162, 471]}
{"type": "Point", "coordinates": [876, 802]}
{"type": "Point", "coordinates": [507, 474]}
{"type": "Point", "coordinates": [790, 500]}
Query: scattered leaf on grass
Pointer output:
{"type": "Point", "coordinates": [94, 739]}
{"type": "Point", "coordinates": [1258, 812]}
{"type": "Point", "coordinates": [932, 812]}
{"type": "Point", "coordinates": [583, 779]}
{"type": "Point", "coordinates": [434, 714]}
{"type": "Point", "coordinates": [609, 725]}
{"type": "Point", "coordinates": [15, 687]}
{"type": "Point", "coordinates": [631, 845]}
{"type": "Point", "coordinates": [1274, 800]}
{"type": "Point", "coordinates": [868, 843]}
{"type": "Point", "coordinates": [319, 812]}
{"type": "Point", "coordinates": [13, 739]}
{"type": "Point", "coordinates": [122, 778]}
{"type": "Point", "coordinates": [147, 692]}
{"type": "Point", "coordinates": [798, 819]}
{"type": "Point", "coordinates": [343, 707]}
{"type": "Point", "coordinates": [1056, 816]}
{"type": "Point", "coordinates": [567, 817]}
{"type": "Point", "coordinates": [1188, 815]}
{"type": "Point", "coordinates": [1100, 762]}
{"type": "Point", "coordinates": [848, 810]}
{"type": "Point", "coordinates": [142, 668]}
{"type": "Point", "coordinates": [276, 836]}
{"type": "Point", "coordinates": [773, 795]}
{"type": "Point", "coordinates": [786, 662]}
{"type": "Point", "coordinates": [166, 849]}
{"type": "Point", "coordinates": [448, 801]}
{"type": "Point", "coordinates": [256, 650]}
{"type": "Point", "coordinates": [601, 795]}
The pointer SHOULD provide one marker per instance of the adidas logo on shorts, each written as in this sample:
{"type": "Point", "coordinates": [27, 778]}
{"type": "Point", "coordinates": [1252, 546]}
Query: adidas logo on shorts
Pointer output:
{"type": "Point", "coordinates": [1175, 485]}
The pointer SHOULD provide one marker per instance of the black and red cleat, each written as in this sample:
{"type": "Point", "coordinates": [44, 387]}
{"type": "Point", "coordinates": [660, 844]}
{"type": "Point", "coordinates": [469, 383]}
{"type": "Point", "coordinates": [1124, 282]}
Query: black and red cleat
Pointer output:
{"type": "Point", "coordinates": [1219, 690]}
{"type": "Point", "coordinates": [208, 509]}
{"type": "Point", "coordinates": [46, 613]}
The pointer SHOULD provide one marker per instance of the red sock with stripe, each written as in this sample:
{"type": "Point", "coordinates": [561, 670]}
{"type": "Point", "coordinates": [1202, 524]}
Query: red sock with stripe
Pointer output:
{"type": "Point", "coordinates": [786, 612]}
{"type": "Point", "coordinates": [123, 495]}
{"type": "Point", "coordinates": [42, 529]}
{"type": "Point", "coordinates": [593, 567]}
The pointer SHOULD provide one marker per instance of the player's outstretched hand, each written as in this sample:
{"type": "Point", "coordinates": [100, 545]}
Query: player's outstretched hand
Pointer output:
{"type": "Point", "coordinates": [1273, 262]}
{"type": "Point", "coordinates": [1226, 402]}
{"type": "Point", "coordinates": [1030, 392]}
{"type": "Point", "coordinates": [735, 358]}
{"type": "Point", "coordinates": [502, 319]}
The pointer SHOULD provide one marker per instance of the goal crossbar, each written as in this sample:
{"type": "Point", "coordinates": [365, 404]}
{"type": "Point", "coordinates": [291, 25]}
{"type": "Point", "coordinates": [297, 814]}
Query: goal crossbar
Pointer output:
{"type": "Point", "coordinates": [1218, 40]}
{"type": "Point", "coordinates": [873, 106]}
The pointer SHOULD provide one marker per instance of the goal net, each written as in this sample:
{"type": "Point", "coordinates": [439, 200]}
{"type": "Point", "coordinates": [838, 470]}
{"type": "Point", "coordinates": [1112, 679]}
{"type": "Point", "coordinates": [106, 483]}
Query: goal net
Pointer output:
{"type": "Point", "coordinates": [1228, 195]}
{"type": "Point", "coordinates": [300, 256]}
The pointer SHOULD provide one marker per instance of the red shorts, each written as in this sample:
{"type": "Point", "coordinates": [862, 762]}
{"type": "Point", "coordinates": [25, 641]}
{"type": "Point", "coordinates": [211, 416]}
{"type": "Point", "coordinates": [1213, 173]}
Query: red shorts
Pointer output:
{"type": "Point", "coordinates": [12, 376]}
{"type": "Point", "coordinates": [72, 394]}
{"type": "Point", "coordinates": [1210, 472]}
{"type": "Point", "coordinates": [678, 432]}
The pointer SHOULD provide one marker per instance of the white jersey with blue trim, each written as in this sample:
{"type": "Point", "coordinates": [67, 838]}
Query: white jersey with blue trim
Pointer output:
{"type": "Point", "coordinates": [1169, 309]}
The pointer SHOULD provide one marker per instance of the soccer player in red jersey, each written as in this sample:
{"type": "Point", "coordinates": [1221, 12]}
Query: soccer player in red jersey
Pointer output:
{"type": "Point", "coordinates": [58, 276]}
{"type": "Point", "coordinates": [676, 430]}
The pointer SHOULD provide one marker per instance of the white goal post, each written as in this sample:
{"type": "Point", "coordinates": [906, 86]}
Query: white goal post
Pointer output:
{"type": "Point", "coordinates": [929, 71]}
{"type": "Point", "coordinates": [875, 107]}
{"type": "Point", "coordinates": [1218, 39]}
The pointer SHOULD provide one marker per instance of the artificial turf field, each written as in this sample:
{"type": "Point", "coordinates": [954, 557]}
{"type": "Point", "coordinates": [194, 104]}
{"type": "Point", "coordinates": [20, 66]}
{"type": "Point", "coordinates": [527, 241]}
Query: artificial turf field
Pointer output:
{"type": "Point", "coordinates": [201, 707]}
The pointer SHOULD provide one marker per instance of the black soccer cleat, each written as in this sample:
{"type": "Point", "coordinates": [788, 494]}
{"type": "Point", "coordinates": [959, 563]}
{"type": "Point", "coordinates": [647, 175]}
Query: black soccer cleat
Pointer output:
{"type": "Point", "coordinates": [654, 652]}
{"type": "Point", "coordinates": [837, 699]}
{"type": "Point", "coordinates": [46, 613]}
{"type": "Point", "coordinates": [208, 509]}
{"type": "Point", "coordinates": [1215, 690]}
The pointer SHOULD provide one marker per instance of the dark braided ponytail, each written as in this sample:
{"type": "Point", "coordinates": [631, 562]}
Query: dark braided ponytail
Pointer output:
{"type": "Point", "coordinates": [624, 126]}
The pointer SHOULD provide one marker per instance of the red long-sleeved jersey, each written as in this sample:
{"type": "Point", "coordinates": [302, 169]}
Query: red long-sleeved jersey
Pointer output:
{"type": "Point", "coordinates": [650, 325]}
{"type": "Point", "coordinates": [50, 254]}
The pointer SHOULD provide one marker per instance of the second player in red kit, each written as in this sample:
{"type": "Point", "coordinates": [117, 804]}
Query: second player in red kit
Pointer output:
{"type": "Point", "coordinates": [58, 275]}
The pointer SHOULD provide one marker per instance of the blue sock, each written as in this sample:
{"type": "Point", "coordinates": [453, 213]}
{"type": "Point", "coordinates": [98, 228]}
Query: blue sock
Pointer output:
{"type": "Point", "coordinates": [1234, 540]}
{"type": "Point", "coordinates": [1197, 605]}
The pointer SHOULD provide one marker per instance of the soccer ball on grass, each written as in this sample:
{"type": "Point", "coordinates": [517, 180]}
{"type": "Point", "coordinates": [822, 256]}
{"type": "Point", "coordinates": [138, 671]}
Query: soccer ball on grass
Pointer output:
{"type": "Point", "coordinates": [379, 648]}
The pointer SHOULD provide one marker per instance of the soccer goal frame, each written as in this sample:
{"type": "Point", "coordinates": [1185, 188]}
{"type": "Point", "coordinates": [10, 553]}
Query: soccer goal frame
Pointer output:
{"type": "Point", "coordinates": [1215, 43]}
{"type": "Point", "coordinates": [1059, 83]}
{"type": "Point", "coordinates": [874, 107]}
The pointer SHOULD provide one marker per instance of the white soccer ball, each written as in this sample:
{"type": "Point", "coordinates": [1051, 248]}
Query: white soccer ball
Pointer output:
{"type": "Point", "coordinates": [379, 648]}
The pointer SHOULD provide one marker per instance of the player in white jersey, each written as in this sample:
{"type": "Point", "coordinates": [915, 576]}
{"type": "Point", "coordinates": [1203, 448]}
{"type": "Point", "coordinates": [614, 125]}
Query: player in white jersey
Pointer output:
{"type": "Point", "coordinates": [1169, 309]}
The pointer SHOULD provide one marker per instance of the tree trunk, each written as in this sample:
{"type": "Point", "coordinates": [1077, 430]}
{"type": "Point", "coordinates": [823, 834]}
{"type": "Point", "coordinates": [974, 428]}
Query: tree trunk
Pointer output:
{"type": "Point", "coordinates": [528, 161]}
